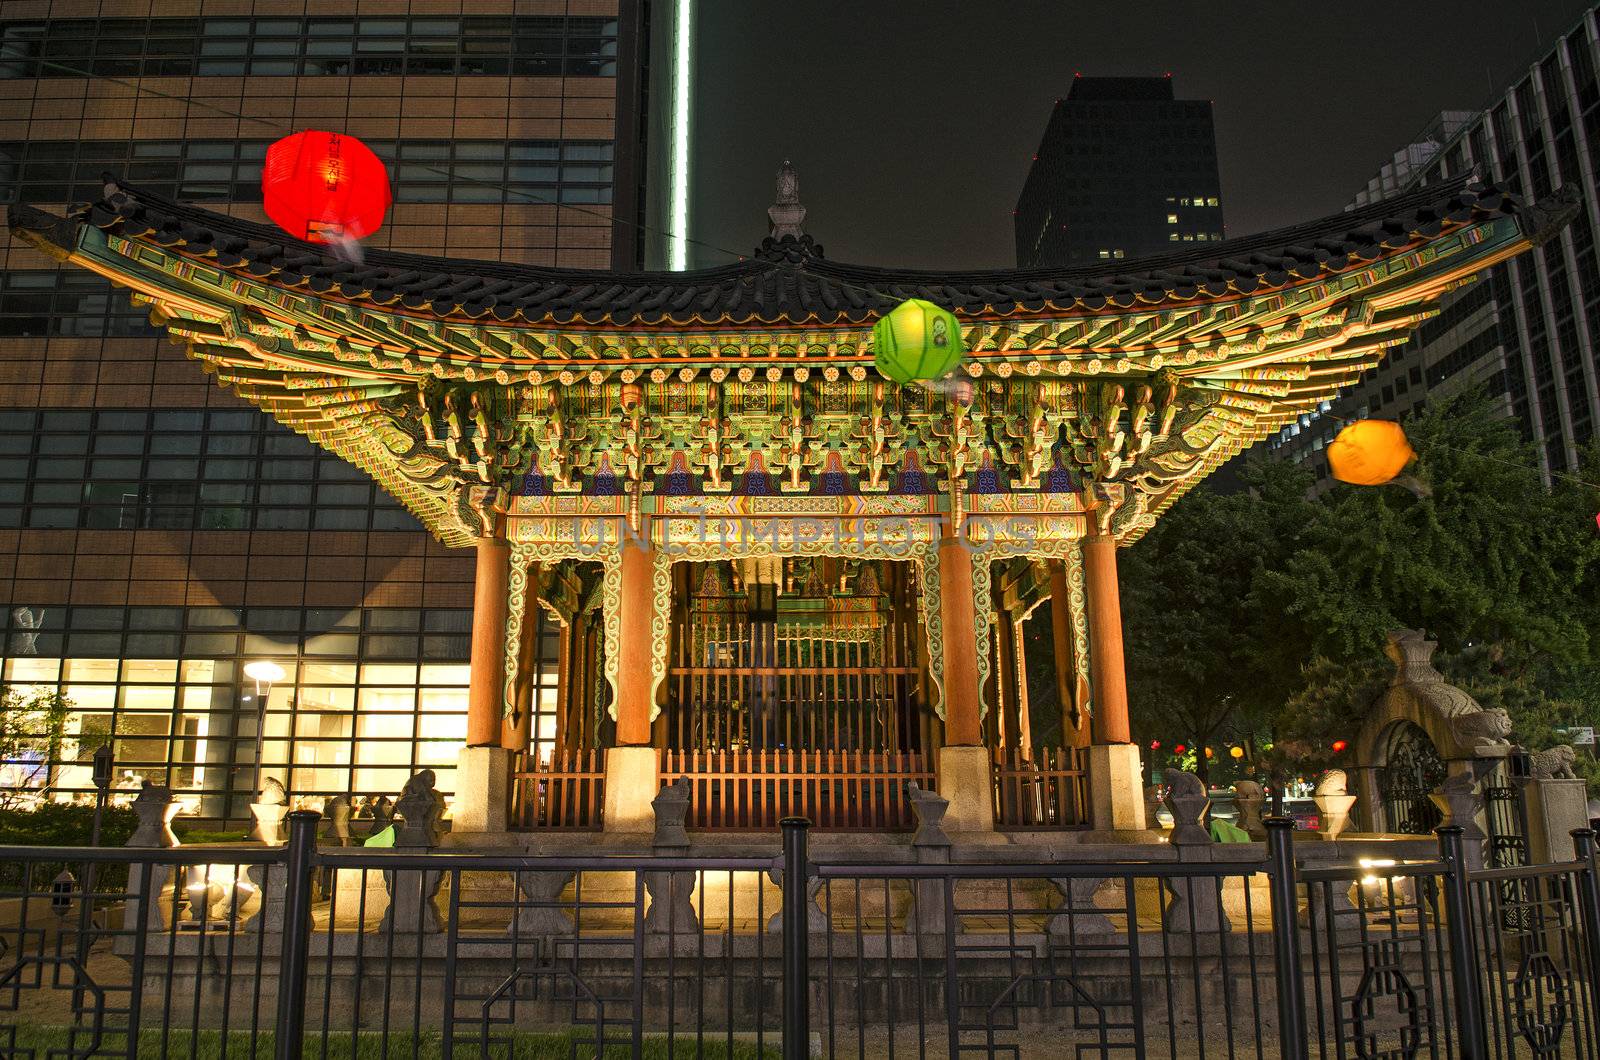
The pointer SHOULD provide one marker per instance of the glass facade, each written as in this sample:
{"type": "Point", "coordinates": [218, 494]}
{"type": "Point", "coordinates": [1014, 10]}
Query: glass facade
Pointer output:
{"type": "Point", "coordinates": [68, 303]}
{"type": "Point", "coordinates": [424, 171]}
{"type": "Point", "coordinates": [549, 46]}
{"type": "Point", "coordinates": [1527, 331]}
{"type": "Point", "coordinates": [179, 469]}
{"type": "Point", "coordinates": [368, 697]}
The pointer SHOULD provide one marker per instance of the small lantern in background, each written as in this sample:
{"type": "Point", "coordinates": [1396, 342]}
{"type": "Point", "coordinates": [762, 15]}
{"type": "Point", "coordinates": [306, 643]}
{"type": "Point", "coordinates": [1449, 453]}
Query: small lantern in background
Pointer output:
{"type": "Point", "coordinates": [1369, 452]}
{"type": "Point", "coordinates": [324, 187]}
{"type": "Point", "coordinates": [917, 340]}
{"type": "Point", "coordinates": [1236, 752]}
{"type": "Point", "coordinates": [1338, 746]}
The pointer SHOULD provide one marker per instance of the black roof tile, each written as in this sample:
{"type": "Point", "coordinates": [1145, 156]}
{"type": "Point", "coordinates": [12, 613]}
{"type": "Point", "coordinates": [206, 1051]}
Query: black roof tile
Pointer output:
{"type": "Point", "coordinates": [789, 279]}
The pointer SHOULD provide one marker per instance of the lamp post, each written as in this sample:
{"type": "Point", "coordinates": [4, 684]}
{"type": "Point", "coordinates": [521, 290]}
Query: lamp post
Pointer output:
{"type": "Point", "coordinates": [265, 673]}
{"type": "Point", "coordinates": [104, 767]}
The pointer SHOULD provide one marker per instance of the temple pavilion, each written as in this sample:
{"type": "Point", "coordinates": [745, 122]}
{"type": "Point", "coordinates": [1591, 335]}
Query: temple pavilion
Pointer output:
{"type": "Point", "coordinates": [779, 573]}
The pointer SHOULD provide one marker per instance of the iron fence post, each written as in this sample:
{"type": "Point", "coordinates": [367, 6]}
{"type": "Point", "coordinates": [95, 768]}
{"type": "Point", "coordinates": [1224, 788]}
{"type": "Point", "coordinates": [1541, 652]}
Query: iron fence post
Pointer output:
{"type": "Point", "coordinates": [1463, 951]}
{"type": "Point", "coordinates": [1589, 897]}
{"type": "Point", "coordinates": [796, 940]}
{"type": "Point", "coordinates": [1286, 938]}
{"type": "Point", "coordinates": [294, 956]}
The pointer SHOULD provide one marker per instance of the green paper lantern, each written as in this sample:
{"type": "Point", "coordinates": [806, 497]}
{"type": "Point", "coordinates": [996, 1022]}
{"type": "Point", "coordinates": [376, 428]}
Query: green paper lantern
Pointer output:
{"type": "Point", "coordinates": [917, 340]}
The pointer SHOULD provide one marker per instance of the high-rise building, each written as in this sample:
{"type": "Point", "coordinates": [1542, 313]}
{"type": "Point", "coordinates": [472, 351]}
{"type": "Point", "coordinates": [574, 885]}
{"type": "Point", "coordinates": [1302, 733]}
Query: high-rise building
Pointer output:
{"type": "Point", "coordinates": [1527, 331]}
{"type": "Point", "coordinates": [157, 534]}
{"type": "Point", "coordinates": [1124, 170]}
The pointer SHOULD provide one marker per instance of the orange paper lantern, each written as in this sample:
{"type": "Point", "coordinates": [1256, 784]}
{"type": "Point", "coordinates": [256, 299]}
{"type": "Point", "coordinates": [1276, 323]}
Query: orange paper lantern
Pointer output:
{"type": "Point", "coordinates": [1369, 452]}
{"type": "Point", "coordinates": [324, 187]}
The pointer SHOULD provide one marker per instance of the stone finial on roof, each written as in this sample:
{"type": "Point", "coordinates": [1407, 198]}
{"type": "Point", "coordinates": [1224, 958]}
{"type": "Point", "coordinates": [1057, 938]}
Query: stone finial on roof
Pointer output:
{"type": "Point", "coordinates": [787, 217]}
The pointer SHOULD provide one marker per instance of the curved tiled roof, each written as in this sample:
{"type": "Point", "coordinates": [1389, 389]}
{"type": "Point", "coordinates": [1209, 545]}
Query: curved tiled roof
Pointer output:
{"type": "Point", "coordinates": [789, 280]}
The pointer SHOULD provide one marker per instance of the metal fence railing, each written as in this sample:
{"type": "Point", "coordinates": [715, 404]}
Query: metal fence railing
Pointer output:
{"type": "Point", "coordinates": [1195, 952]}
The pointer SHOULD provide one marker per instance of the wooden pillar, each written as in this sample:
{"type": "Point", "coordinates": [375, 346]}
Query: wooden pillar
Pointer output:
{"type": "Point", "coordinates": [959, 617]}
{"type": "Point", "coordinates": [485, 691]}
{"type": "Point", "coordinates": [1074, 728]}
{"type": "Point", "coordinates": [564, 734]}
{"type": "Point", "coordinates": [634, 664]}
{"type": "Point", "coordinates": [1105, 640]}
{"type": "Point", "coordinates": [1005, 672]}
{"type": "Point", "coordinates": [1019, 642]}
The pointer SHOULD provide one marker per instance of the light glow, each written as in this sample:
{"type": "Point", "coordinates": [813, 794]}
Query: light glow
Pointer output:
{"type": "Point", "coordinates": [678, 167]}
{"type": "Point", "coordinates": [264, 671]}
{"type": "Point", "coordinates": [1372, 879]}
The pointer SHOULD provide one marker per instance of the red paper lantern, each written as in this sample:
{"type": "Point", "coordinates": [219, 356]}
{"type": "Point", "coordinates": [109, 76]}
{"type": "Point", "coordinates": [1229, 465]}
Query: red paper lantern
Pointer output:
{"type": "Point", "coordinates": [1178, 750]}
{"type": "Point", "coordinates": [1339, 746]}
{"type": "Point", "coordinates": [324, 187]}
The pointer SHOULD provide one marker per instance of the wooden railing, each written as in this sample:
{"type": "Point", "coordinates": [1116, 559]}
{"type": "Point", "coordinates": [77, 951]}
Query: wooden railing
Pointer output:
{"type": "Point", "coordinates": [1049, 789]}
{"type": "Point", "coordinates": [835, 789]}
{"type": "Point", "coordinates": [567, 792]}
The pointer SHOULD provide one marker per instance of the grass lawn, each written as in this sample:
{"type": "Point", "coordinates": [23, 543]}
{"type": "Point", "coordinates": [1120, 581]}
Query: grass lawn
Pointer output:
{"type": "Point", "coordinates": [507, 1045]}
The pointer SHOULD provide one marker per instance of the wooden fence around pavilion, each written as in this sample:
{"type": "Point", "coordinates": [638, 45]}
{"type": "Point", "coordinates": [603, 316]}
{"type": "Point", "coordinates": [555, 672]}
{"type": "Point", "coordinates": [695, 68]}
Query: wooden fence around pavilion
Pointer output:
{"type": "Point", "coordinates": [748, 790]}
{"type": "Point", "coordinates": [567, 792]}
{"type": "Point", "coordinates": [1047, 787]}
{"type": "Point", "coordinates": [834, 789]}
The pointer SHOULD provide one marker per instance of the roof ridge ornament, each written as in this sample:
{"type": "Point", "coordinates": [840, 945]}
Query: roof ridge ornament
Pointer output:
{"type": "Point", "coordinates": [786, 240]}
{"type": "Point", "coordinates": [786, 217]}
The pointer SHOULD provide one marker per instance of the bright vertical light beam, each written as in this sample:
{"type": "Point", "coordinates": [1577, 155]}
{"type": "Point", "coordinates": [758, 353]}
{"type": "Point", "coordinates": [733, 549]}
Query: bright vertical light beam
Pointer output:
{"type": "Point", "coordinates": [679, 175]}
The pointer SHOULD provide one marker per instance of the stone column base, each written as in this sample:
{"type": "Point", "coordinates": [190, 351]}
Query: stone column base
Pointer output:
{"type": "Point", "coordinates": [633, 779]}
{"type": "Point", "coordinates": [965, 779]}
{"type": "Point", "coordinates": [483, 790]}
{"type": "Point", "coordinates": [1554, 807]}
{"type": "Point", "coordinates": [1116, 788]}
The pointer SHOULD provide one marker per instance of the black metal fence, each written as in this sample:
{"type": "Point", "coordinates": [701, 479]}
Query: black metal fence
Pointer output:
{"type": "Point", "coordinates": [254, 952]}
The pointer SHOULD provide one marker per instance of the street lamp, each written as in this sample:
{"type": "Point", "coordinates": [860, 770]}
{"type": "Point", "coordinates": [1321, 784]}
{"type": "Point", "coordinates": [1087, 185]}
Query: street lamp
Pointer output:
{"type": "Point", "coordinates": [104, 766]}
{"type": "Point", "coordinates": [265, 673]}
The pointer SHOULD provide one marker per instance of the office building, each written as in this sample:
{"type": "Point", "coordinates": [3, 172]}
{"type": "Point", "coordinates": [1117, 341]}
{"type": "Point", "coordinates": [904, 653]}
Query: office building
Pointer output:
{"type": "Point", "coordinates": [1125, 169]}
{"type": "Point", "coordinates": [1527, 330]}
{"type": "Point", "coordinates": [158, 533]}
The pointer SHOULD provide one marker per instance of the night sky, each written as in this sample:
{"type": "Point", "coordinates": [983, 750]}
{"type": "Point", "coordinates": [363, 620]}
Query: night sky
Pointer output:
{"type": "Point", "coordinates": [912, 124]}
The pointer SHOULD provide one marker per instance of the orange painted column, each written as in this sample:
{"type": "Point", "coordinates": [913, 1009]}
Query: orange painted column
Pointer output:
{"type": "Point", "coordinates": [1107, 670]}
{"type": "Point", "coordinates": [634, 694]}
{"type": "Point", "coordinates": [486, 687]}
{"type": "Point", "coordinates": [958, 614]}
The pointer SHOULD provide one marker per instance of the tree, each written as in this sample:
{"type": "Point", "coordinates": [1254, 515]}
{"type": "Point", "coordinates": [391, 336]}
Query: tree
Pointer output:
{"type": "Point", "coordinates": [1207, 657]}
{"type": "Point", "coordinates": [32, 736]}
{"type": "Point", "coordinates": [1263, 614]}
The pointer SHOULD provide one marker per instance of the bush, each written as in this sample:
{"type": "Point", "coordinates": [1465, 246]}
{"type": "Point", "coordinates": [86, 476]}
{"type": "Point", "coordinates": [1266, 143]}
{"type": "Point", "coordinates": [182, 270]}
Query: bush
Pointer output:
{"type": "Point", "coordinates": [57, 825]}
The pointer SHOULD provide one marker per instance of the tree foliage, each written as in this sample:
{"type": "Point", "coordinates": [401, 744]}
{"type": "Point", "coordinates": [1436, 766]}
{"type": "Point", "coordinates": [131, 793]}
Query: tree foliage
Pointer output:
{"type": "Point", "coordinates": [1261, 615]}
{"type": "Point", "coordinates": [32, 736]}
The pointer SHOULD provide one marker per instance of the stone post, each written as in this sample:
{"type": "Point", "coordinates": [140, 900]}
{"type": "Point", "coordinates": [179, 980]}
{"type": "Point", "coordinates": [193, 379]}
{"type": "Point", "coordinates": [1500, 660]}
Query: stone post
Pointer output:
{"type": "Point", "coordinates": [965, 777]}
{"type": "Point", "coordinates": [413, 894]}
{"type": "Point", "coordinates": [632, 767]}
{"type": "Point", "coordinates": [1116, 774]}
{"type": "Point", "coordinates": [1249, 798]}
{"type": "Point", "coordinates": [932, 847]}
{"type": "Point", "coordinates": [1555, 802]}
{"type": "Point", "coordinates": [671, 909]}
{"type": "Point", "coordinates": [1460, 800]}
{"type": "Point", "coordinates": [155, 808]}
{"type": "Point", "coordinates": [1334, 803]}
{"type": "Point", "coordinates": [269, 810]}
{"type": "Point", "coordinates": [1196, 903]}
